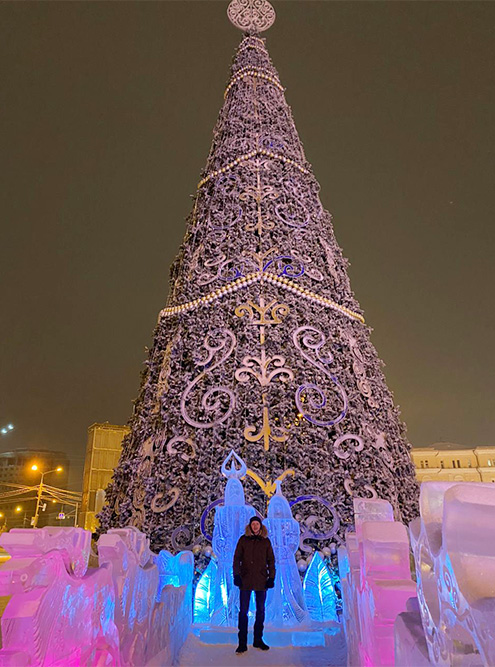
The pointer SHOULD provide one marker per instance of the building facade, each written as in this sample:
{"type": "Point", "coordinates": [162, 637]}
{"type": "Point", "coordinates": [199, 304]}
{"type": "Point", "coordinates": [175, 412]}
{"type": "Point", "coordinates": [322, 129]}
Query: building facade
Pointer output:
{"type": "Point", "coordinates": [102, 455]}
{"type": "Point", "coordinates": [446, 462]}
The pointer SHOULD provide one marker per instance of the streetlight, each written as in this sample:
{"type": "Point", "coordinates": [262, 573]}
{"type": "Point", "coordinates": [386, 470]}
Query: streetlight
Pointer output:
{"type": "Point", "coordinates": [7, 429]}
{"type": "Point", "coordinates": [18, 510]}
{"type": "Point", "coordinates": [35, 468]}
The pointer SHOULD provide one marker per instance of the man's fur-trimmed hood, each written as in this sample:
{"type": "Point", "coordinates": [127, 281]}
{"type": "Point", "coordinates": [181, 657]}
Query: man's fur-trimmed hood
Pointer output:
{"type": "Point", "coordinates": [249, 533]}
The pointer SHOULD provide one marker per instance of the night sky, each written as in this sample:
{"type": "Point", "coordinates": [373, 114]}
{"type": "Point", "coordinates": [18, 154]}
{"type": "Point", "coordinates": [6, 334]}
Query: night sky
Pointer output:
{"type": "Point", "coordinates": [107, 111]}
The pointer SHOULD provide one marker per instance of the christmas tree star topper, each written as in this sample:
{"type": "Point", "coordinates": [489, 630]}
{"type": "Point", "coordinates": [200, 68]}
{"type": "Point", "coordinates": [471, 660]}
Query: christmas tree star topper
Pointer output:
{"type": "Point", "coordinates": [251, 16]}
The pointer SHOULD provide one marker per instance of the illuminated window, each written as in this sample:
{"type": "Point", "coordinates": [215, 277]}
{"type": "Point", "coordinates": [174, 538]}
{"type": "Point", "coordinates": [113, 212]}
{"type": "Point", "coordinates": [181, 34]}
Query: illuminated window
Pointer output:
{"type": "Point", "coordinates": [427, 465]}
{"type": "Point", "coordinates": [458, 463]}
{"type": "Point", "coordinates": [442, 465]}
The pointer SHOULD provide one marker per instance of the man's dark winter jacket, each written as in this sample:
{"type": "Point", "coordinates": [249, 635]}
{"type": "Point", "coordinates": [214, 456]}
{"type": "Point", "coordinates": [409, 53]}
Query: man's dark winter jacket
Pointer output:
{"type": "Point", "coordinates": [254, 560]}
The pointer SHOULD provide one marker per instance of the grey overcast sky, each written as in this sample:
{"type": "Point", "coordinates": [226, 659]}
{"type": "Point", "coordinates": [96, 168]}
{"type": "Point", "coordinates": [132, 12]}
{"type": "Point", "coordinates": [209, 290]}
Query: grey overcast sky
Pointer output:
{"type": "Point", "coordinates": [107, 115]}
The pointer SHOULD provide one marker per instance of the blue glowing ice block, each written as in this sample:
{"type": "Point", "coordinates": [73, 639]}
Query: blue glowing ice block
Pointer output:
{"type": "Point", "coordinates": [231, 518]}
{"type": "Point", "coordinates": [319, 591]}
{"type": "Point", "coordinates": [285, 604]}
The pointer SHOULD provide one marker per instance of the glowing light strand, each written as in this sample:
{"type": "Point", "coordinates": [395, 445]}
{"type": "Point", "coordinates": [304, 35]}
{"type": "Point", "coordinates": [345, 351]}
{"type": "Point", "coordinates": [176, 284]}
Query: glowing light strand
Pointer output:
{"type": "Point", "coordinates": [251, 278]}
{"type": "Point", "coordinates": [248, 68]}
{"type": "Point", "coordinates": [257, 72]}
{"type": "Point", "coordinates": [249, 156]}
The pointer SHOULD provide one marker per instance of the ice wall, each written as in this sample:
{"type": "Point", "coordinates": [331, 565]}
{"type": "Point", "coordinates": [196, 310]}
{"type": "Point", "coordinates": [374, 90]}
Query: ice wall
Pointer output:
{"type": "Point", "coordinates": [124, 612]}
{"type": "Point", "coordinates": [454, 549]}
{"type": "Point", "coordinates": [376, 582]}
{"type": "Point", "coordinates": [449, 618]}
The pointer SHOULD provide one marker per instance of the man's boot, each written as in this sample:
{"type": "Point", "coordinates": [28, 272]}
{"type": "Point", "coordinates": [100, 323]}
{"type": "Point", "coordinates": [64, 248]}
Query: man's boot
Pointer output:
{"type": "Point", "coordinates": [259, 643]}
{"type": "Point", "coordinates": [242, 648]}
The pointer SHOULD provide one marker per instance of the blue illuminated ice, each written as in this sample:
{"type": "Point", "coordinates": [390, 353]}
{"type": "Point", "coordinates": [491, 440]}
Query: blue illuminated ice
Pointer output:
{"type": "Point", "coordinates": [222, 606]}
{"type": "Point", "coordinates": [291, 604]}
{"type": "Point", "coordinates": [203, 598]}
{"type": "Point", "coordinates": [319, 591]}
{"type": "Point", "coordinates": [285, 603]}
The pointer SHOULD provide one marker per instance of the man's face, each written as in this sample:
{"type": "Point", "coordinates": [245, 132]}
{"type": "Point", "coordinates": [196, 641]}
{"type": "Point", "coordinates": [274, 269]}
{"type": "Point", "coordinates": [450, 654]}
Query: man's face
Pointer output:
{"type": "Point", "coordinates": [255, 527]}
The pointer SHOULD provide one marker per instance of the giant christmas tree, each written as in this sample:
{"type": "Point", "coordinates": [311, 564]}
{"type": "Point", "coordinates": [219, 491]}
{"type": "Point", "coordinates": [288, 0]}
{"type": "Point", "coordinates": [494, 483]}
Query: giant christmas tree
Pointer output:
{"type": "Point", "coordinates": [262, 347]}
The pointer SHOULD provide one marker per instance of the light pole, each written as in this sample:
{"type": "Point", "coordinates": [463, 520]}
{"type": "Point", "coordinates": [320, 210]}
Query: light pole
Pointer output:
{"type": "Point", "coordinates": [40, 490]}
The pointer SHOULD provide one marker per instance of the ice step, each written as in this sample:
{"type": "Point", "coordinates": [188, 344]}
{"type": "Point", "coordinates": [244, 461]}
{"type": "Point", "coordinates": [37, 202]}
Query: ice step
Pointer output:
{"type": "Point", "coordinates": [200, 651]}
{"type": "Point", "coordinates": [277, 638]}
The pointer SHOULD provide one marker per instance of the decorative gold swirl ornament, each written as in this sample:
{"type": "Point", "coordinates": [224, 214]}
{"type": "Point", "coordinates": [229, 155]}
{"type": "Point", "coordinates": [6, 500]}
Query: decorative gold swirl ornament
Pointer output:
{"type": "Point", "coordinates": [251, 16]}
{"type": "Point", "coordinates": [270, 487]}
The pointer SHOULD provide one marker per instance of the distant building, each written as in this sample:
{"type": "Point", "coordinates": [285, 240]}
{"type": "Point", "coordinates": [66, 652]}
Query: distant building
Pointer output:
{"type": "Point", "coordinates": [446, 462]}
{"type": "Point", "coordinates": [102, 455]}
{"type": "Point", "coordinates": [15, 469]}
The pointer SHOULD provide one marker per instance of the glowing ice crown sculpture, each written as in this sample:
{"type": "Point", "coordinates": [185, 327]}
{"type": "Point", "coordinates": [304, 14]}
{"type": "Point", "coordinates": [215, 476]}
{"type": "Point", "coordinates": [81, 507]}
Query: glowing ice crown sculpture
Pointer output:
{"type": "Point", "coordinates": [290, 603]}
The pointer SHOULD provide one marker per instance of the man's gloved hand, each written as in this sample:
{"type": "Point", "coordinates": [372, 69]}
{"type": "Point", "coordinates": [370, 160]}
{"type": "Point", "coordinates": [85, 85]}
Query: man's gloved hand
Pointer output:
{"type": "Point", "coordinates": [237, 580]}
{"type": "Point", "coordinates": [270, 582]}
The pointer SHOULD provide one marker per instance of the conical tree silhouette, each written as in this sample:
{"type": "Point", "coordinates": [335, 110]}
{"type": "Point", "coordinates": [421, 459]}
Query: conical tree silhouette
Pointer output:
{"type": "Point", "coordinates": [262, 347]}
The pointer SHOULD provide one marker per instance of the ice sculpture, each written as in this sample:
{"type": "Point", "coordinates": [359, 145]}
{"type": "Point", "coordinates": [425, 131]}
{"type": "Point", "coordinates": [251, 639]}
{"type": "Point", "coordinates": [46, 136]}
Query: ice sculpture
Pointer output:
{"type": "Point", "coordinates": [454, 549]}
{"type": "Point", "coordinates": [376, 582]}
{"type": "Point", "coordinates": [410, 642]}
{"type": "Point", "coordinates": [60, 613]}
{"type": "Point", "coordinates": [285, 602]}
{"type": "Point", "coordinates": [217, 599]}
{"type": "Point", "coordinates": [319, 592]}
{"type": "Point", "coordinates": [203, 595]}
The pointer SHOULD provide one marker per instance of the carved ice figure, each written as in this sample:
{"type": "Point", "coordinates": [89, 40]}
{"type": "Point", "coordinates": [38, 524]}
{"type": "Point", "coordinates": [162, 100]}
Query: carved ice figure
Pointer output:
{"type": "Point", "coordinates": [454, 550]}
{"type": "Point", "coordinates": [216, 598]}
{"type": "Point", "coordinates": [319, 591]}
{"type": "Point", "coordinates": [203, 595]}
{"type": "Point", "coordinates": [285, 603]}
{"type": "Point", "coordinates": [376, 582]}
{"type": "Point", "coordinates": [61, 613]}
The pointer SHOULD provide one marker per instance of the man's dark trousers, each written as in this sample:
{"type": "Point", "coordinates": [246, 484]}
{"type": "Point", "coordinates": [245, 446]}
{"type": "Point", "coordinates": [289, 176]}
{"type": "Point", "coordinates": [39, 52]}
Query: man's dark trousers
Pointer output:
{"type": "Point", "coordinates": [245, 596]}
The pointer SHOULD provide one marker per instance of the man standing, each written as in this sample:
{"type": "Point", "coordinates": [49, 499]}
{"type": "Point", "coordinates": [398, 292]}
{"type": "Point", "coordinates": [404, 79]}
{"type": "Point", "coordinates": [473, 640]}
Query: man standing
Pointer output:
{"type": "Point", "coordinates": [254, 570]}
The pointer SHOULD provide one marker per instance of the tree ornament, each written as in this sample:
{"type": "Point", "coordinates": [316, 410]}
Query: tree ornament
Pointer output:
{"type": "Point", "coordinates": [251, 16]}
{"type": "Point", "coordinates": [302, 565]}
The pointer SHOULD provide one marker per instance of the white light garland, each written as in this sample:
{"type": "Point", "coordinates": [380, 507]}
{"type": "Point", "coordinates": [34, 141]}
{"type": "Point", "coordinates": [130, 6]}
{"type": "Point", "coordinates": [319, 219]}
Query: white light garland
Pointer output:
{"type": "Point", "coordinates": [249, 156]}
{"type": "Point", "coordinates": [252, 67]}
{"type": "Point", "coordinates": [251, 278]}
{"type": "Point", "coordinates": [258, 73]}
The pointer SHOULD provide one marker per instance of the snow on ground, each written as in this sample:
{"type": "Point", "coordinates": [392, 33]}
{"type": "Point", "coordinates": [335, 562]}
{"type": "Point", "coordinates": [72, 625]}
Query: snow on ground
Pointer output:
{"type": "Point", "coordinates": [195, 653]}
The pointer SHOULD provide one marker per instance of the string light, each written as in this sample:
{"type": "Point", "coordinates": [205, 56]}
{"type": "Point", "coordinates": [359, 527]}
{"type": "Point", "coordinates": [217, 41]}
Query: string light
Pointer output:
{"type": "Point", "coordinates": [251, 278]}
{"type": "Point", "coordinates": [249, 156]}
{"type": "Point", "coordinates": [258, 73]}
{"type": "Point", "coordinates": [252, 67]}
